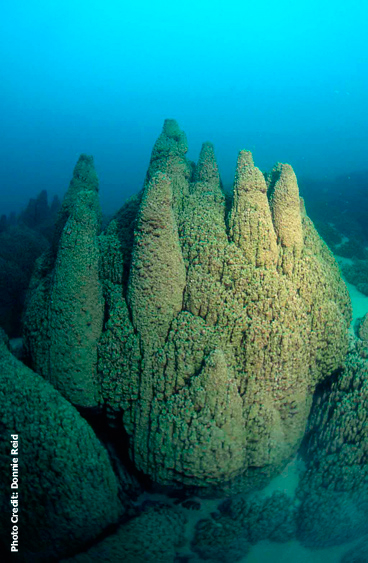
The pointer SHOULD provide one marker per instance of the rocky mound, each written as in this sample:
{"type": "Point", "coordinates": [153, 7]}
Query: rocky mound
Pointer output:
{"type": "Point", "coordinates": [201, 327]}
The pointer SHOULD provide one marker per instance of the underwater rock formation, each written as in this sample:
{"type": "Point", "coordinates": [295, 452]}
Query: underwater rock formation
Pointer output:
{"type": "Point", "coordinates": [22, 240]}
{"type": "Point", "coordinates": [156, 250]}
{"type": "Point", "coordinates": [357, 554]}
{"type": "Point", "coordinates": [357, 274]}
{"type": "Point", "coordinates": [361, 332]}
{"type": "Point", "coordinates": [335, 483]}
{"type": "Point", "coordinates": [203, 330]}
{"type": "Point", "coordinates": [363, 329]}
{"type": "Point", "coordinates": [151, 537]}
{"type": "Point", "coordinates": [68, 493]}
{"type": "Point", "coordinates": [243, 522]}
{"type": "Point", "coordinates": [39, 215]}
{"type": "Point", "coordinates": [20, 246]}
{"type": "Point", "coordinates": [64, 317]}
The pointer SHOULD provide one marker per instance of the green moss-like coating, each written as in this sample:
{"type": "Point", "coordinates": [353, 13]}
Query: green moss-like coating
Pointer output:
{"type": "Point", "coordinates": [250, 219]}
{"type": "Point", "coordinates": [283, 193]}
{"type": "Point", "coordinates": [65, 306]}
{"type": "Point", "coordinates": [168, 157]}
{"type": "Point", "coordinates": [221, 316]}
{"type": "Point", "coordinates": [84, 177]}
{"type": "Point", "coordinates": [335, 483]}
{"type": "Point", "coordinates": [357, 554]}
{"type": "Point", "coordinates": [68, 493]}
{"type": "Point", "coordinates": [154, 299]}
{"type": "Point", "coordinates": [277, 312]}
{"type": "Point", "coordinates": [357, 274]}
{"type": "Point", "coordinates": [152, 537]}
{"type": "Point", "coordinates": [242, 522]}
{"type": "Point", "coordinates": [119, 360]}
{"type": "Point", "coordinates": [204, 420]}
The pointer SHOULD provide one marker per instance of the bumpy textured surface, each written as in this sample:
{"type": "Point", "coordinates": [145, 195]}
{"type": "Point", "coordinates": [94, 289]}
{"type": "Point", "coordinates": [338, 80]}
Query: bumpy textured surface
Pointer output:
{"type": "Point", "coordinates": [363, 329]}
{"type": "Point", "coordinates": [358, 554]}
{"type": "Point", "coordinates": [242, 522]}
{"type": "Point", "coordinates": [156, 250]}
{"type": "Point", "coordinates": [335, 484]}
{"type": "Point", "coordinates": [224, 381]}
{"type": "Point", "coordinates": [220, 319]}
{"type": "Point", "coordinates": [65, 309]}
{"type": "Point", "coordinates": [357, 274]}
{"type": "Point", "coordinates": [152, 537]}
{"type": "Point", "coordinates": [68, 493]}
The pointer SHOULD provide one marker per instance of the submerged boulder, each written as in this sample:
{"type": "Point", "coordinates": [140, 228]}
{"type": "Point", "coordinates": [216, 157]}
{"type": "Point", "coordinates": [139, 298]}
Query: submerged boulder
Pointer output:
{"type": "Point", "coordinates": [242, 522]}
{"type": "Point", "coordinates": [357, 554]}
{"type": "Point", "coordinates": [333, 491]}
{"type": "Point", "coordinates": [68, 493]}
{"type": "Point", "coordinates": [151, 537]}
{"type": "Point", "coordinates": [218, 323]}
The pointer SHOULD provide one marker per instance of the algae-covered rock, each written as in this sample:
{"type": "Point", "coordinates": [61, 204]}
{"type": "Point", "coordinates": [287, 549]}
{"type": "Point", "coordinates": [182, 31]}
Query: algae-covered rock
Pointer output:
{"type": "Point", "coordinates": [168, 157]}
{"type": "Point", "coordinates": [334, 488]}
{"type": "Point", "coordinates": [68, 493]}
{"type": "Point", "coordinates": [64, 317]}
{"type": "Point", "coordinates": [156, 251]}
{"type": "Point", "coordinates": [262, 292]}
{"type": "Point", "coordinates": [220, 319]}
{"type": "Point", "coordinates": [357, 274]}
{"type": "Point", "coordinates": [152, 537]}
{"type": "Point", "coordinates": [363, 328]}
{"type": "Point", "coordinates": [242, 522]}
{"type": "Point", "coordinates": [251, 227]}
{"type": "Point", "coordinates": [220, 542]}
{"type": "Point", "coordinates": [357, 554]}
